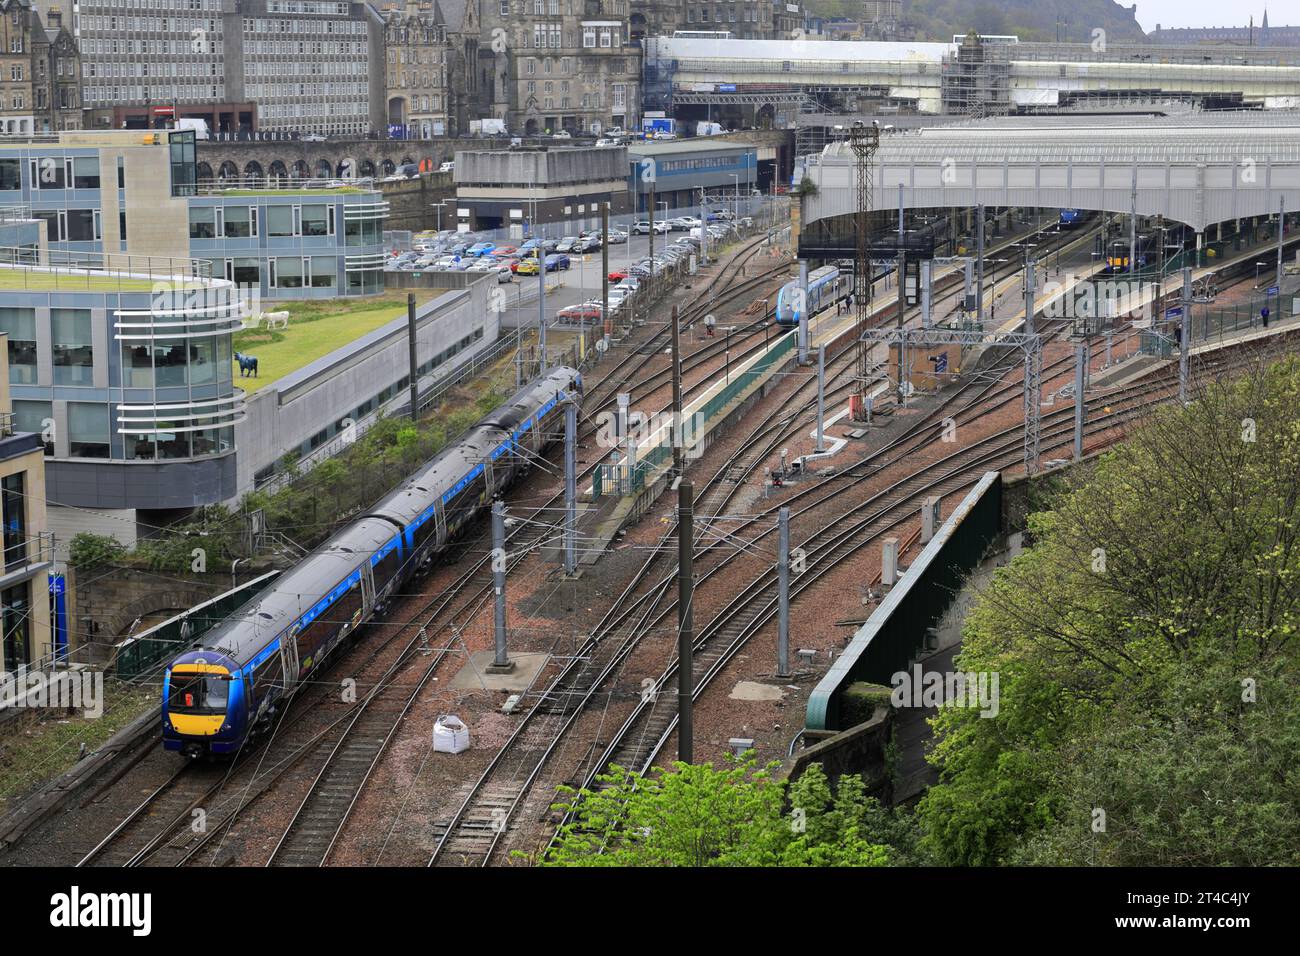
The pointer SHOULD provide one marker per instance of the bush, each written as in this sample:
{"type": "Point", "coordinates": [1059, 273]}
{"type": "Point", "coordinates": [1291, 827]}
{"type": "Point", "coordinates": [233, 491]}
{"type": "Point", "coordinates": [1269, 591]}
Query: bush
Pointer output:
{"type": "Point", "coordinates": [88, 549]}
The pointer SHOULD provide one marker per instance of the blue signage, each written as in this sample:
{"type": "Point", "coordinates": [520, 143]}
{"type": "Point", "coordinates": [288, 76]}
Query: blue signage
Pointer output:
{"type": "Point", "coordinates": [1272, 290]}
{"type": "Point", "coordinates": [726, 87]}
{"type": "Point", "coordinates": [1174, 313]}
{"type": "Point", "coordinates": [396, 131]}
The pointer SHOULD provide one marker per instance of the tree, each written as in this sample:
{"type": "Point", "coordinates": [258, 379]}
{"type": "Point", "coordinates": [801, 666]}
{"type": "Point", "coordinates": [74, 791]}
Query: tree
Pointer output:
{"type": "Point", "coordinates": [1146, 650]}
{"type": "Point", "coordinates": [86, 549]}
{"type": "Point", "coordinates": [696, 815]}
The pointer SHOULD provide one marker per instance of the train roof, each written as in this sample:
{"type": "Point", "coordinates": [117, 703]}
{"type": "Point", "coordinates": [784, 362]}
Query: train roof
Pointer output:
{"type": "Point", "coordinates": [257, 622]}
{"type": "Point", "coordinates": [438, 476]}
{"type": "Point", "coordinates": [525, 402]}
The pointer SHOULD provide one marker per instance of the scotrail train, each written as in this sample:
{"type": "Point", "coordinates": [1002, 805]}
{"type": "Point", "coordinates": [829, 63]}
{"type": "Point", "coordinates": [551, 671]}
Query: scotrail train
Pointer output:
{"type": "Point", "coordinates": [826, 286]}
{"type": "Point", "coordinates": [216, 695]}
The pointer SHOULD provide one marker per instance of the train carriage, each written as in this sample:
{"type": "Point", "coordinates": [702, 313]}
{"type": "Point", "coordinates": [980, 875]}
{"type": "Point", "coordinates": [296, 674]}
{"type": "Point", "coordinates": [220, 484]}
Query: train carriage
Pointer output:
{"type": "Point", "coordinates": [216, 695]}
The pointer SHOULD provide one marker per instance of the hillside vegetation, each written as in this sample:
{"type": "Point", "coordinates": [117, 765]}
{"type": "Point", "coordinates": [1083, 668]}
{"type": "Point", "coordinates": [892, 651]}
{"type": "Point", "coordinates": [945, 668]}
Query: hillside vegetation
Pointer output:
{"type": "Point", "coordinates": [939, 20]}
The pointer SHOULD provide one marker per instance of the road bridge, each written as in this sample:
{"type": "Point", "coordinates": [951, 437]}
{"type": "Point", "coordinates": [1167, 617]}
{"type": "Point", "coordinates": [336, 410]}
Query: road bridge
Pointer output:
{"type": "Point", "coordinates": [1203, 169]}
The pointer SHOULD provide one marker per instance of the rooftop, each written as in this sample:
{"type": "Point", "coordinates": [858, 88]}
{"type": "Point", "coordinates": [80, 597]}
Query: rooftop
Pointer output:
{"type": "Point", "coordinates": [95, 272]}
{"type": "Point", "coordinates": [316, 328]}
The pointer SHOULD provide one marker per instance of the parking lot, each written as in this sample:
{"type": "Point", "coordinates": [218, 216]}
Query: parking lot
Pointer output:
{"type": "Point", "coordinates": [579, 282]}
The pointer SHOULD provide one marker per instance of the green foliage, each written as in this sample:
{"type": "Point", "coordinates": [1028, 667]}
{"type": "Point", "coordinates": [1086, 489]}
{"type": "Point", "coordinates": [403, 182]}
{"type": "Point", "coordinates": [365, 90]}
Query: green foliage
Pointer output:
{"type": "Point", "coordinates": [1147, 654]}
{"type": "Point", "coordinates": [315, 504]}
{"type": "Point", "coordinates": [739, 815]}
{"type": "Point", "coordinates": [806, 187]}
{"type": "Point", "coordinates": [86, 550]}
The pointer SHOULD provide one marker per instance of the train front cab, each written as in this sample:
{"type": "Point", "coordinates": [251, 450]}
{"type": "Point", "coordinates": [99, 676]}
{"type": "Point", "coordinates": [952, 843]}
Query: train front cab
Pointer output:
{"type": "Point", "coordinates": [205, 710]}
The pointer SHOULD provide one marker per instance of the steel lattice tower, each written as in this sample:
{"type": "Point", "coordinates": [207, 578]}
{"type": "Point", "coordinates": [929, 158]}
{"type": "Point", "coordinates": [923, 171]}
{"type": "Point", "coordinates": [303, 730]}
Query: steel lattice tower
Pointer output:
{"type": "Point", "coordinates": [864, 140]}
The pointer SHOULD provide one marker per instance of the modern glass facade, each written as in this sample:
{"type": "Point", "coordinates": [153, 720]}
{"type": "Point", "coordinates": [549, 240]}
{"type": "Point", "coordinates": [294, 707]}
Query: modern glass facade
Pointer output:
{"type": "Point", "coordinates": [293, 243]}
{"type": "Point", "coordinates": [92, 193]}
{"type": "Point", "coordinates": [137, 381]}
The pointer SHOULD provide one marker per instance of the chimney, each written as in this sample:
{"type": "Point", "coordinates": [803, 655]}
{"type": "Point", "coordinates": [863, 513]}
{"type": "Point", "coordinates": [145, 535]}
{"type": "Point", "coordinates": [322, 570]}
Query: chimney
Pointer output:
{"type": "Point", "coordinates": [54, 18]}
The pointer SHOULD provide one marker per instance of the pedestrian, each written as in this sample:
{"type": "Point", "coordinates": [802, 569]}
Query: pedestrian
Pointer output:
{"type": "Point", "coordinates": [1263, 314]}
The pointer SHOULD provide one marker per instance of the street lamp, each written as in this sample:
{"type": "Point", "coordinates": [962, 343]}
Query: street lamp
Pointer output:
{"type": "Point", "coordinates": [1257, 268]}
{"type": "Point", "coordinates": [438, 206]}
{"type": "Point", "coordinates": [735, 205]}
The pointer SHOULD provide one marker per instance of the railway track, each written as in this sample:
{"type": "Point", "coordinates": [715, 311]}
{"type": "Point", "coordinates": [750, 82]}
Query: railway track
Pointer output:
{"type": "Point", "coordinates": [475, 829]}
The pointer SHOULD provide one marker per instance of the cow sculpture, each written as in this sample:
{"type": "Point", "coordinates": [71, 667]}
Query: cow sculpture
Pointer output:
{"type": "Point", "coordinates": [247, 364]}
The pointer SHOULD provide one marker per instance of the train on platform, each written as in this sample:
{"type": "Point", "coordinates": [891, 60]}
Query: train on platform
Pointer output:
{"type": "Point", "coordinates": [229, 688]}
{"type": "Point", "coordinates": [1119, 252]}
{"type": "Point", "coordinates": [1070, 218]}
{"type": "Point", "coordinates": [826, 286]}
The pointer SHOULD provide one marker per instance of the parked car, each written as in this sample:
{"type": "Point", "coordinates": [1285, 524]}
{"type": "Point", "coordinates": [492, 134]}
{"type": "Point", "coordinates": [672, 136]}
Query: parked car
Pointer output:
{"type": "Point", "coordinates": [505, 273]}
{"type": "Point", "coordinates": [562, 134]}
{"type": "Point", "coordinates": [616, 237]}
{"type": "Point", "coordinates": [530, 244]}
{"type": "Point", "coordinates": [567, 244]}
{"type": "Point", "coordinates": [313, 138]}
{"type": "Point", "coordinates": [447, 167]}
{"type": "Point", "coordinates": [680, 223]}
{"type": "Point", "coordinates": [641, 228]}
{"type": "Point", "coordinates": [583, 310]}
{"type": "Point", "coordinates": [480, 249]}
{"type": "Point", "coordinates": [504, 251]}
{"type": "Point", "coordinates": [631, 283]}
{"type": "Point", "coordinates": [556, 261]}
{"type": "Point", "coordinates": [527, 267]}
{"type": "Point", "coordinates": [617, 275]}
{"type": "Point", "coordinates": [550, 245]}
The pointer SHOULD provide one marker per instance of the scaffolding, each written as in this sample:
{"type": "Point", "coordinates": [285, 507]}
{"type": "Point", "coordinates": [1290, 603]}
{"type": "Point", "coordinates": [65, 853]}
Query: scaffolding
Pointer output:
{"type": "Point", "coordinates": [976, 80]}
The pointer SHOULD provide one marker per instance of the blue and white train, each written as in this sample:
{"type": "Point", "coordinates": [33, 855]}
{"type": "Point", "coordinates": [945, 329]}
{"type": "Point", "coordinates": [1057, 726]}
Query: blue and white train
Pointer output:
{"type": "Point", "coordinates": [218, 694]}
{"type": "Point", "coordinates": [826, 286]}
{"type": "Point", "coordinates": [1071, 217]}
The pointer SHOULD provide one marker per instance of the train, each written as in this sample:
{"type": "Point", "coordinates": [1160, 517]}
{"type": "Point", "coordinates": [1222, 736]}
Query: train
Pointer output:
{"type": "Point", "coordinates": [826, 286]}
{"type": "Point", "coordinates": [1070, 218]}
{"type": "Point", "coordinates": [228, 688]}
{"type": "Point", "coordinates": [1118, 252]}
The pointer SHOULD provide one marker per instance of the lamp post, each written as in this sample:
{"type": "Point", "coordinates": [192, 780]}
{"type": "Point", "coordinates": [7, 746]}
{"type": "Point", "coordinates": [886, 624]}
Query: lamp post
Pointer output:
{"type": "Point", "coordinates": [438, 206]}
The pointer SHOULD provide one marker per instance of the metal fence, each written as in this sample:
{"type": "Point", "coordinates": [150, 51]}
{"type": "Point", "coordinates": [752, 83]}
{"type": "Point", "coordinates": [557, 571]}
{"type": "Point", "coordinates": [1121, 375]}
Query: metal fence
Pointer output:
{"type": "Point", "coordinates": [137, 656]}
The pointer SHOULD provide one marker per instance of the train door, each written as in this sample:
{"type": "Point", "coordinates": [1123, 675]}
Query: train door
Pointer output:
{"type": "Point", "coordinates": [289, 656]}
{"type": "Point", "coordinates": [367, 589]}
{"type": "Point", "coordinates": [440, 523]}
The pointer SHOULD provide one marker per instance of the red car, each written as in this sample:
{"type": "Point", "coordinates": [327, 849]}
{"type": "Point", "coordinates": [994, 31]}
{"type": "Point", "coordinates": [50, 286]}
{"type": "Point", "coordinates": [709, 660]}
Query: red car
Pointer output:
{"type": "Point", "coordinates": [501, 251]}
{"type": "Point", "coordinates": [618, 275]}
{"type": "Point", "coordinates": [584, 310]}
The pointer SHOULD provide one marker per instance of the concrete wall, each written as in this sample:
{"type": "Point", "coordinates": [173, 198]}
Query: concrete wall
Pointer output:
{"type": "Point", "coordinates": [410, 202]}
{"type": "Point", "coordinates": [282, 416]}
{"type": "Point", "coordinates": [551, 167]}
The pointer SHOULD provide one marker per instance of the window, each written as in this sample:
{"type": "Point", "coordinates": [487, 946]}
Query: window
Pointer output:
{"type": "Point", "coordinates": [279, 220]}
{"type": "Point", "coordinates": [14, 505]}
{"type": "Point", "coordinates": [169, 362]}
{"type": "Point", "coordinates": [70, 340]}
{"type": "Point", "coordinates": [34, 417]}
{"type": "Point", "coordinates": [85, 172]}
{"type": "Point", "coordinates": [203, 222]}
{"type": "Point", "coordinates": [48, 173]}
{"type": "Point", "coordinates": [20, 324]}
{"type": "Point", "coordinates": [15, 609]}
{"type": "Point", "coordinates": [323, 272]}
{"type": "Point", "coordinates": [317, 221]}
{"type": "Point", "coordinates": [241, 222]}
{"type": "Point", "coordinates": [83, 225]}
{"type": "Point", "coordinates": [196, 694]}
{"type": "Point", "coordinates": [10, 177]}
{"type": "Point", "coordinates": [137, 367]}
{"type": "Point", "coordinates": [88, 429]}
{"type": "Point", "coordinates": [288, 272]}
{"type": "Point", "coordinates": [247, 272]}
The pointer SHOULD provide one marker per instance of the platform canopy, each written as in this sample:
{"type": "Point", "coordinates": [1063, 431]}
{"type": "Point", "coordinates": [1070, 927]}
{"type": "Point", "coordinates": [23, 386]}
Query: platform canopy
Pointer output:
{"type": "Point", "coordinates": [1198, 169]}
